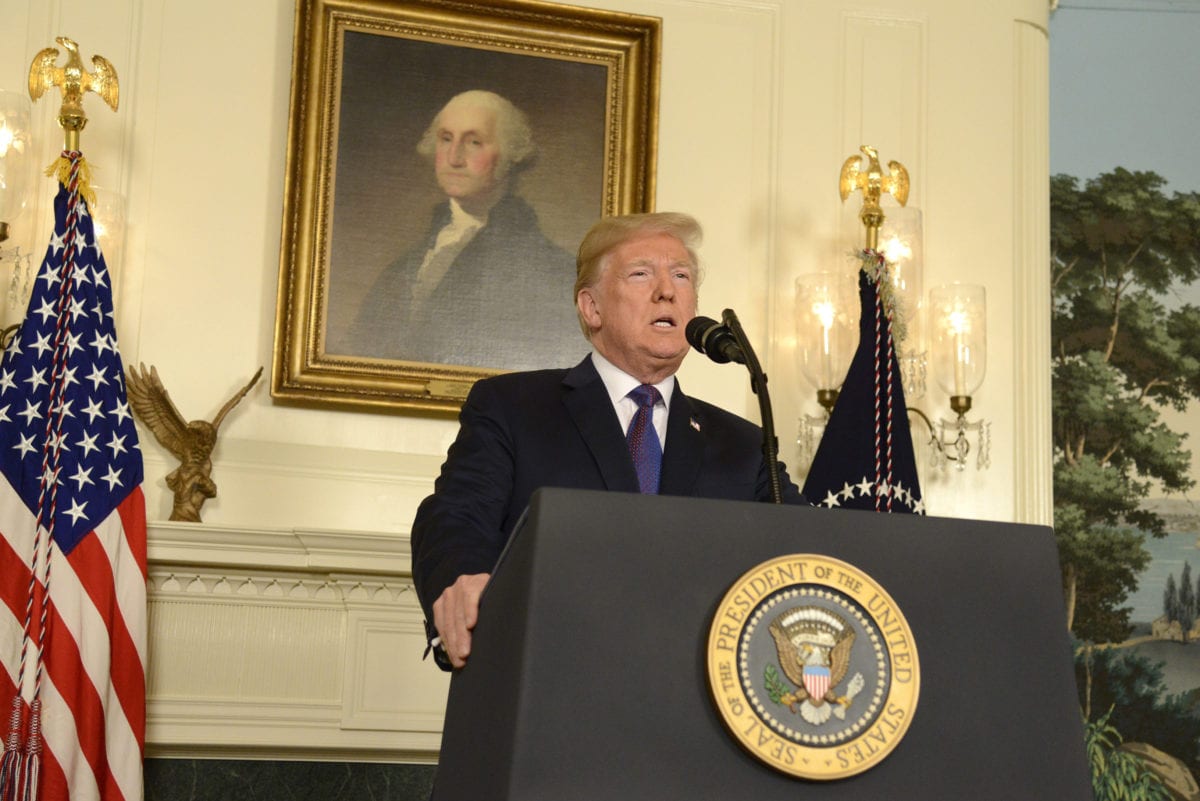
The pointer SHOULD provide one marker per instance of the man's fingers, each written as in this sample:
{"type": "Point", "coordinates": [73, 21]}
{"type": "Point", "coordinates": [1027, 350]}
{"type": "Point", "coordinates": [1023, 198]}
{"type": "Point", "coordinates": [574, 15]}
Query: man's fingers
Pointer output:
{"type": "Point", "coordinates": [455, 614]}
{"type": "Point", "coordinates": [448, 618]}
{"type": "Point", "coordinates": [472, 589]}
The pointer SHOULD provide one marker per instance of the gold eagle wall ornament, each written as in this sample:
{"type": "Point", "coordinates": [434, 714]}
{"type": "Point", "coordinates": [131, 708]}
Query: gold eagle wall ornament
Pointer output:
{"type": "Point", "coordinates": [191, 443]}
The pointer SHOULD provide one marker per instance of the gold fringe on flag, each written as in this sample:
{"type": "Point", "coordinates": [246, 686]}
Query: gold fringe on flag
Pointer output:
{"type": "Point", "coordinates": [60, 169]}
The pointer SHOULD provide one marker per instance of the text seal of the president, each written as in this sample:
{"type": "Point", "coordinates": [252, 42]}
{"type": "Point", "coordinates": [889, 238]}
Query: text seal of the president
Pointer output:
{"type": "Point", "coordinates": [813, 667]}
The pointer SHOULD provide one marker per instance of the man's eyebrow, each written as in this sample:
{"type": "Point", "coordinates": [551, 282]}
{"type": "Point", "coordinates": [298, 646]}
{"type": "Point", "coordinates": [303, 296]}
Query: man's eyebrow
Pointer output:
{"type": "Point", "coordinates": [649, 261]}
{"type": "Point", "coordinates": [469, 132]}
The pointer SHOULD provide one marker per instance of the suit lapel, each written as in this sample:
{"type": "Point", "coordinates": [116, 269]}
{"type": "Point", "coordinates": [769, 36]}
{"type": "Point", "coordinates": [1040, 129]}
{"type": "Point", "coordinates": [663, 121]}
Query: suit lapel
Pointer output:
{"type": "Point", "coordinates": [684, 453]}
{"type": "Point", "coordinates": [589, 406]}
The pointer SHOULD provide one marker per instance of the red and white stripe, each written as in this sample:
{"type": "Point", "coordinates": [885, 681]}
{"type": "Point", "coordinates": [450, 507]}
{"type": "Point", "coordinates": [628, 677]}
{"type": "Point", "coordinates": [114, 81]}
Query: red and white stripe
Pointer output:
{"type": "Point", "coordinates": [93, 686]}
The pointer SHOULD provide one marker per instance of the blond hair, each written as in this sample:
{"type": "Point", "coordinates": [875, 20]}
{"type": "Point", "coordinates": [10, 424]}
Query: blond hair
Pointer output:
{"type": "Point", "coordinates": [611, 232]}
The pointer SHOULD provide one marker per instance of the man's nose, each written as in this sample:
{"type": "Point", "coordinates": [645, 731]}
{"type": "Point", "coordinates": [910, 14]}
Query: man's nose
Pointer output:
{"type": "Point", "coordinates": [664, 287]}
{"type": "Point", "coordinates": [457, 153]}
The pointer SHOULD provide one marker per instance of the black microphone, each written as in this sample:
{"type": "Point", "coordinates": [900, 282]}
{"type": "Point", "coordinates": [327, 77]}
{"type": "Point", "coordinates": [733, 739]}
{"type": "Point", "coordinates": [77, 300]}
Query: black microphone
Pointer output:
{"type": "Point", "coordinates": [714, 340]}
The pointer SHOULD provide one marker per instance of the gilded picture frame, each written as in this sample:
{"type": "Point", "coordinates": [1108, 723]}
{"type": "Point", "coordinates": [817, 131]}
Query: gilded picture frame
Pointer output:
{"type": "Point", "coordinates": [369, 78]}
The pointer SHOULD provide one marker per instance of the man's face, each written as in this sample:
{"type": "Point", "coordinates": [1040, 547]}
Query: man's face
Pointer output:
{"type": "Point", "coordinates": [468, 155]}
{"type": "Point", "coordinates": [639, 307]}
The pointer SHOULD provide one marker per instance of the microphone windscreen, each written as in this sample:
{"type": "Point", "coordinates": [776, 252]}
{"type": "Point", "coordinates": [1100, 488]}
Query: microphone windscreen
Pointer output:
{"type": "Point", "coordinates": [698, 330]}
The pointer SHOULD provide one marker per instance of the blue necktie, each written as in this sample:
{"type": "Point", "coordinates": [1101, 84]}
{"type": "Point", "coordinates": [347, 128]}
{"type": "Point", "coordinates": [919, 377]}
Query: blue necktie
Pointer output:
{"type": "Point", "coordinates": [642, 439]}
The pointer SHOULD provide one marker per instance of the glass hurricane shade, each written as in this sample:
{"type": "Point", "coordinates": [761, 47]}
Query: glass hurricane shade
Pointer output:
{"type": "Point", "coordinates": [108, 217]}
{"type": "Point", "coordinates": [14, 154]}
{"type": "Point", "coordinates": [958, 343]}
{"type": "Point", "coordinates": [826, 327]}
{"type": "Point", "coordinates": [900, 243]}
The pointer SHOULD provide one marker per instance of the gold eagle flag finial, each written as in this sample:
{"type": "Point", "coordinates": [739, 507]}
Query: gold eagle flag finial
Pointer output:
{"type": "Point", "coordinates": [75, 82]}
{"type": "Point", "coordinates": [874, 183]}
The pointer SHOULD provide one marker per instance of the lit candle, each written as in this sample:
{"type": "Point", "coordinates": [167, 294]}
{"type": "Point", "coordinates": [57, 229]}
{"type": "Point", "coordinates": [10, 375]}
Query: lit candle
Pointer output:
{"type": "Point", "coordinates": [826, 360]}
{"type": "Point", "coordinates": [960, 359]}
{"type": "Point", "coordinates": [824, 312]}
{"type": "Point", "coordinates": [958, 325]}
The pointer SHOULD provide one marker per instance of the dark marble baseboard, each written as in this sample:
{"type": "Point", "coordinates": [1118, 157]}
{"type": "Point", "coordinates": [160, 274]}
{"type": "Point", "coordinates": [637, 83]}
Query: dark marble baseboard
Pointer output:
{"type": "Point", "coordinates": [246, 780]}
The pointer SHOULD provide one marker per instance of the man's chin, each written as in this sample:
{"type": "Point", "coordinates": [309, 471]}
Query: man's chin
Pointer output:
{"type": "Point", "coordinates": [475, 201]}
{"type": "Point", "coordinates": [456, 191]}
{"type": "Point", "coordinates": [670, 360]}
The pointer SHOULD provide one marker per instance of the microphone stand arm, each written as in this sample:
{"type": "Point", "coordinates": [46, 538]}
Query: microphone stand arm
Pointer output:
{"type": "Point", "coordinates": [758, 383]}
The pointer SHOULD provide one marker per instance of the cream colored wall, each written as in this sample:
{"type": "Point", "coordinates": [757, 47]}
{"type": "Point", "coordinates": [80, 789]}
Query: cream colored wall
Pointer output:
{"type": "Point", "coordinates": [761, 102]}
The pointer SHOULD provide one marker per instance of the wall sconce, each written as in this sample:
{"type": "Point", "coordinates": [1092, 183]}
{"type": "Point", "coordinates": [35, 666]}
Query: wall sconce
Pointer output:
{"type": "Point", "coordinates": [900, 242]}
{"type": "Point", "coordinates": [108, 217]}
{"type": "Point", "coordinates": [14, 157]}
{"type": "Point", "coordinates": [950, 331]}
{"type": "Point", "coordinates": [826, 335]}
{"type": "Point", "coordinates": [959, 349]}
{"type": "Point", "coordinates": [15, 160]}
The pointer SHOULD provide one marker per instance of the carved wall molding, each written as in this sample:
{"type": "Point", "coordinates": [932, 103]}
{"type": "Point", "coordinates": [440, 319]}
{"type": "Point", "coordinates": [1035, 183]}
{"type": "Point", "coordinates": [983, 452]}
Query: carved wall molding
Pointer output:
{"type": "Point", "coordinates": [287, 643]}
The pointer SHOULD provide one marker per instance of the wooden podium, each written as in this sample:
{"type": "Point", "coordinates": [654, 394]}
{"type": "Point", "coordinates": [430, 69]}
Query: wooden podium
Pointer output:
{"type": "Point", "coordinates": [587, 679]}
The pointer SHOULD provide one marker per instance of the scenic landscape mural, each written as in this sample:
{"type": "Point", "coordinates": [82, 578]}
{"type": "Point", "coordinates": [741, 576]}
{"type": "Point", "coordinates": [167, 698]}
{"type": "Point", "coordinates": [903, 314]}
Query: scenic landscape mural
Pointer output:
{"type": "Point", "coordinates": [1125, 273]}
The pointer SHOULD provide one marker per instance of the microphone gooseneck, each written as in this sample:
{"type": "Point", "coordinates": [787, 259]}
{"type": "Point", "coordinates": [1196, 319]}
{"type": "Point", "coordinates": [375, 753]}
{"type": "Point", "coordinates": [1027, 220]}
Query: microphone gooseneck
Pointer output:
{"type": "Point", "coordinates": [726, 341]}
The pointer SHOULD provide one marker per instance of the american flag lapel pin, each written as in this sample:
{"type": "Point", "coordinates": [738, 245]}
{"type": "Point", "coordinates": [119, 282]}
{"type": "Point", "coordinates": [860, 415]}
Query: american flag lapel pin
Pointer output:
{"type": "Point", "coordinates": [695, 423]}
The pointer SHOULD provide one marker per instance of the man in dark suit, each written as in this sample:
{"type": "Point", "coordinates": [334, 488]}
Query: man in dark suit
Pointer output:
{"type": "Point", "coordinates": [583, 427]}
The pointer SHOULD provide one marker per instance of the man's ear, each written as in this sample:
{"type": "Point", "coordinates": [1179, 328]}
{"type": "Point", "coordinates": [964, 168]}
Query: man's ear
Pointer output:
{"type": "Point", "coordinates": [585, 301]}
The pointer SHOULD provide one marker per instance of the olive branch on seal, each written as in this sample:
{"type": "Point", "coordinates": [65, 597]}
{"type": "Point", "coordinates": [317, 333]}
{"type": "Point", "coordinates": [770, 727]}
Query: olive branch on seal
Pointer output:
{"type": "Point", "coordinates": [776, 688]}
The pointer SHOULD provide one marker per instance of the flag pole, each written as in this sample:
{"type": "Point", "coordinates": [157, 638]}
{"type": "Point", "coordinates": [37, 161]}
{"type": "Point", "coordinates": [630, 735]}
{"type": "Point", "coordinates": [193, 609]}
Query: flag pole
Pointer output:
{"type": "Point", "coordinates": [20, 767]}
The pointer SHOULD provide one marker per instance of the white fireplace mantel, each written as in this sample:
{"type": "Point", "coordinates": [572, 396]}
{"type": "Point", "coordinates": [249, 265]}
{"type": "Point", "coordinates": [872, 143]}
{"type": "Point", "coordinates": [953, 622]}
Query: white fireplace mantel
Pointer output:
{"type": "Point", "coordinates": [287, 643]}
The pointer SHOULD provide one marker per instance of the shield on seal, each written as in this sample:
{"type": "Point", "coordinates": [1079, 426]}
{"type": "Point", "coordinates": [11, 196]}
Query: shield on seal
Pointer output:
{"type": "Point", "coordinates": [816, 681]}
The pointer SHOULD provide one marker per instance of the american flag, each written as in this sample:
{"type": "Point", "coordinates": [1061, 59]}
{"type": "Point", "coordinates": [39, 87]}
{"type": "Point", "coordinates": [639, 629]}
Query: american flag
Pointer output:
{"type": "Point", "coordinates": [72, 535]}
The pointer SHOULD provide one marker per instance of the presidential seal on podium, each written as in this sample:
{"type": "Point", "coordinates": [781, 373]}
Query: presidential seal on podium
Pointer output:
{"type": "Point", "coordinates": [812, 667]}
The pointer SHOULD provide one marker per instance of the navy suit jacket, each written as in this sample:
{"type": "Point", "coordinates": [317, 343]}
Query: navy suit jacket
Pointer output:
{"type": "Point", "coordinates": [557, 428]}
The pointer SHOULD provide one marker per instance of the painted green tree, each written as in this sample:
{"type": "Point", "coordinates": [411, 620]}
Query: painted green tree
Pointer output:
{"type": "Point", "coordinates": [1179, 601]}
{"type": "Point", "coordinates": [1186, 612]}
{"type": "Point", "coordinates": [1122, 352]}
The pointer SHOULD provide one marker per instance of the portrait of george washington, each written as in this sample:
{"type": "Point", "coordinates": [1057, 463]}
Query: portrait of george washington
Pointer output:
{"type": "Point", "coordinates": [464, 180]}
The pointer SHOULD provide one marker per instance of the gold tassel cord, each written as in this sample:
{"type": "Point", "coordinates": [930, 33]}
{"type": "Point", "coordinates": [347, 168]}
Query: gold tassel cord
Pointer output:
{"type": "Point", "coordinates": [61, 170]}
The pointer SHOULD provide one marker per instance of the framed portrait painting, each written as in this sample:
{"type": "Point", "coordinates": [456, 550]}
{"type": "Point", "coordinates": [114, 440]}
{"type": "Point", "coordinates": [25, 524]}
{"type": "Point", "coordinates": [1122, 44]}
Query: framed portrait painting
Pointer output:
{"type": "Point", "coordinates": [444, 160]}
